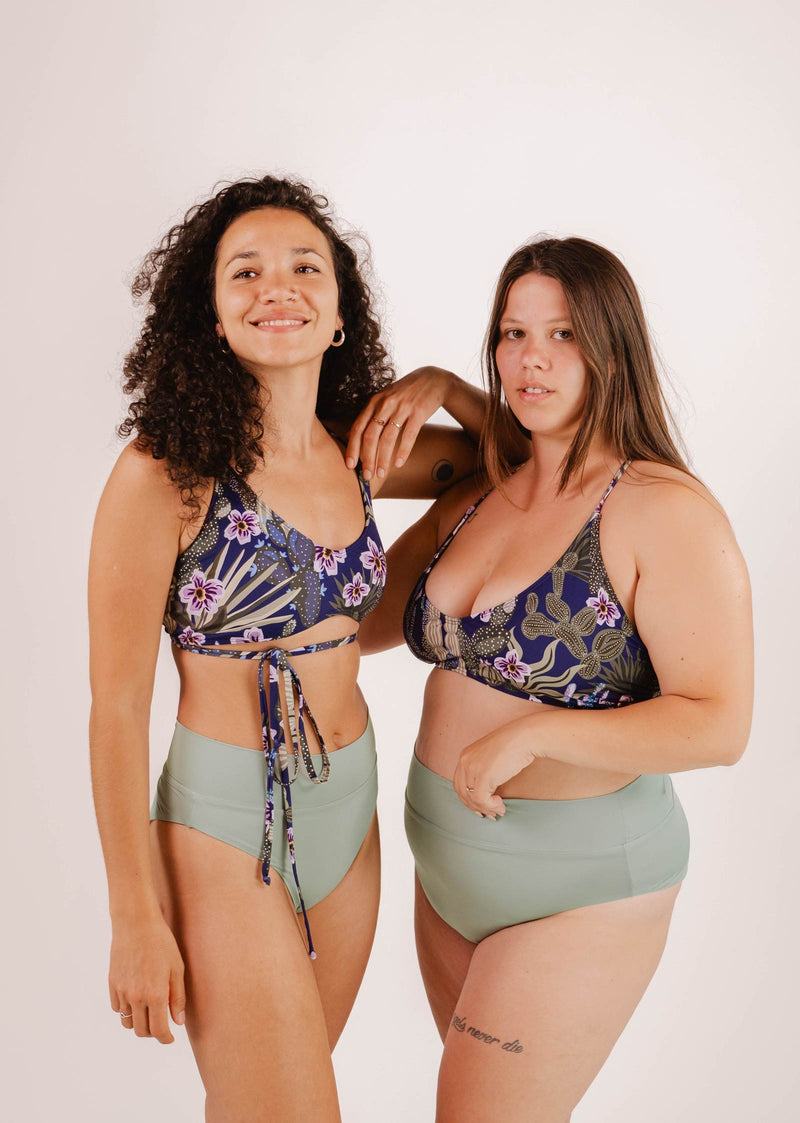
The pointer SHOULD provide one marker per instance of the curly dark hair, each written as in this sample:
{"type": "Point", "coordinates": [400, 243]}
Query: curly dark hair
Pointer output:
{"type": "Point", "coordinates": [194, 405]}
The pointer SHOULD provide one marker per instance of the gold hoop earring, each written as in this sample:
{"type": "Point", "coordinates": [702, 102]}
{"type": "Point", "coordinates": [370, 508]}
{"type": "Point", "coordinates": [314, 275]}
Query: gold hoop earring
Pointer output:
{"type": "Point", "coordinates": [338, 342]}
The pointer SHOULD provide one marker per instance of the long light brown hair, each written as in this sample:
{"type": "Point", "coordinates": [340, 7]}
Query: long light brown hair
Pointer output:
{"type": "Point", "coordinates": [625, 405]}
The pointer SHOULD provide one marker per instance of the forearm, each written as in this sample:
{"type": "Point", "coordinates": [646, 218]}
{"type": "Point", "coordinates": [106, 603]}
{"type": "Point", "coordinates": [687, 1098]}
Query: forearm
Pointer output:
{"type": "Point", "coordinates": [666, 734]}
{"type": "Point", "coordinates": [120, 783]}
{"type": "Point", "coordinates": [466, 404]}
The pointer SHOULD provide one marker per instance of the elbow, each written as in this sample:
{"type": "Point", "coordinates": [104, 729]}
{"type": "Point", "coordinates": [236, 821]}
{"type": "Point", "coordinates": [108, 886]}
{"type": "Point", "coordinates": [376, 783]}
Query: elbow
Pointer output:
{"type": "Point", "coordinates": [733, 742]}
{"type": "Point", "coordinates": [735, 746]}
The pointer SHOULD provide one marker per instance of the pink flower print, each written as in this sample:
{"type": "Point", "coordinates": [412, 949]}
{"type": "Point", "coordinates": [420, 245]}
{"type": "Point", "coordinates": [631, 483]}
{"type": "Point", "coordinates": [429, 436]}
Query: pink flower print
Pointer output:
{"type": "Point", "coordinates": [188, 638]}
{"type": "Point", "coordinates": [251, 635]}
{"type": "Point", "coordinates": [355, 591]}
{"type": "Point", "coordinates": [569, 692]}
{"type": "Point", "coordinates": [242, 525]}
{"type": "Point", "coordinates": [201, 594]}
{"type": "Point", "coordinates": [327, 560]}
{"type": "Point", "coordinates": [512, 667]}
{"type": "Point", "coordinates": [607, 611]}
{"type": "Point", "coordinates": [486, 615]}
{"type": "Point", "coordinates": [374, 559]}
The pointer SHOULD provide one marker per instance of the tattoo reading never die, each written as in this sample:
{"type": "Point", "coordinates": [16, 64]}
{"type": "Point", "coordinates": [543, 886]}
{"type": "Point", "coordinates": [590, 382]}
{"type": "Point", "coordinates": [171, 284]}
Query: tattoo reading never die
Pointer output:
{"type": "Point", "coordinates": [460, 1024]}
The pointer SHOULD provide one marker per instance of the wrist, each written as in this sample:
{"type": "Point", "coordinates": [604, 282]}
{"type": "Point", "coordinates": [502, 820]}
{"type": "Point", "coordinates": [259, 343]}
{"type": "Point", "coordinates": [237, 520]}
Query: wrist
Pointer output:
{"type": "Point", "coordinates": [527, 747]}
{"type": "Point", "coordinates": [140, 907]}
{"type": "Point", "coordinates": [450, 385]}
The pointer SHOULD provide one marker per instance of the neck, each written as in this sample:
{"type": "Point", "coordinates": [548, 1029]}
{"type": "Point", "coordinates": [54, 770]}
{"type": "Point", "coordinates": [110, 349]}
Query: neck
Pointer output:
{"type": "Point", "coordinates": [289, 399]}
{"type": "Point", "coordinates": [546, 464]}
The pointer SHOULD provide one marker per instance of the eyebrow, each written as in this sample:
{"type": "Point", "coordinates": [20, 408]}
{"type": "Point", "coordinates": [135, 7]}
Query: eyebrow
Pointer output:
{"type": "Point", "coordinates": [555, 320]}
{"type": "Point", "coordinates": [298, 251]}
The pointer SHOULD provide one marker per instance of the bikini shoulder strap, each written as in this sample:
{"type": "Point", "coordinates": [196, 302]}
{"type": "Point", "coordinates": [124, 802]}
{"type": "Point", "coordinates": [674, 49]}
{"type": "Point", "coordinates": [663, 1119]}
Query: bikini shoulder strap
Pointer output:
{"type": "Point", "coordinates": [612, 485]}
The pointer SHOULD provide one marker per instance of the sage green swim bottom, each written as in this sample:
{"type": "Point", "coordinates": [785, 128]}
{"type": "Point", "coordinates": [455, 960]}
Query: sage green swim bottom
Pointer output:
{"type": "Point", "coordinates": [543, 856]}
{"type": "Point", "coordinates": [220, 789]}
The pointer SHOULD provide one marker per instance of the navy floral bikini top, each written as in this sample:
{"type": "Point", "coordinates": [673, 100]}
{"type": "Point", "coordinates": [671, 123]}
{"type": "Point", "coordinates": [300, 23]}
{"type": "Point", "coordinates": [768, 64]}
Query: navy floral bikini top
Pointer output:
{"type": "Point", "coordinates": [249, 577]}
{"type": "Point", "coordinates": [565, 640]}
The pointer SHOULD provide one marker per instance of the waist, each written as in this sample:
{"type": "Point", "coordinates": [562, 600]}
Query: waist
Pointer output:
{"type": "Point", "coordinates": [610, 819]}
{"type": "Point", "coordinates": [220, 697]}
{"type": "Point", "coordinates": [458, 711]}
{"type": "Point", "coordinates": [229, 769]}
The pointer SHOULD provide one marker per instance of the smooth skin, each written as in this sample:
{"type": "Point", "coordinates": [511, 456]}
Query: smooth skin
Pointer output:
{"type": "Point", "coordinates": [196, 935]}
{"type": "Point", "coordinates": [565, 986]}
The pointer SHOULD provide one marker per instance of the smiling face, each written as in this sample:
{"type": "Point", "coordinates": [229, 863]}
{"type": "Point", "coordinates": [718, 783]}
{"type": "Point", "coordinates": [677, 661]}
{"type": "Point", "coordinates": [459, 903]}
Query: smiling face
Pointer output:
{"type": "Point", "coordinates": [275, 291]}
{"type": "Point", "coordinates": [542, 370]}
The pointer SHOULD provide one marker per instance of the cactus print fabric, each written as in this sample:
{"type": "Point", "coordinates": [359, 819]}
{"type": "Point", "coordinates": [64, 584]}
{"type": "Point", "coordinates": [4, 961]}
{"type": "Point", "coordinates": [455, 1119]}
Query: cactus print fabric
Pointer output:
{"type": "Point", "coordinates": [565, 640]}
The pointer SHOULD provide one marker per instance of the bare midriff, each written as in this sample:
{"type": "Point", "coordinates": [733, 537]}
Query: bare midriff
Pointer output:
{"type": "Point", "coordinates": [219, 697]}
{"type": "Point", "coordinates": [458, 710]}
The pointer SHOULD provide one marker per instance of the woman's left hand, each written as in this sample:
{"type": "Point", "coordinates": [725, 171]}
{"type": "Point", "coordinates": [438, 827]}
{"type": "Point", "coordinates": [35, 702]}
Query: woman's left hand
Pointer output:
{"type": "Point", "coordinates": [487, 764]}
{"type": "Point", "coordinates": [384, 432]}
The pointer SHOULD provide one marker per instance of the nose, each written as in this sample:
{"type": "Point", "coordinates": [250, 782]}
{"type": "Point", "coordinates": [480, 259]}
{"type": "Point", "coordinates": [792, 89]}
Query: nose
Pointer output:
{"type": "Point", "coordinates": [534, 355]}
{"type": "Point", "coordinates": [276, 288]}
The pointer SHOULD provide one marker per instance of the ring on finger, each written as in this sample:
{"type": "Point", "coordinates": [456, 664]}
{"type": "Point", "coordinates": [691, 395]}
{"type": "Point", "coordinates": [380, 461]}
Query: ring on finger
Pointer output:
{"type": "Point", "coordinates": [470, 789]}
{"type": "Point", "coordinates": [396, 425]}
{"type": "Point", "coordinates": [124, 1016]}
{"type": "Point", "coordinates": [378, 421]}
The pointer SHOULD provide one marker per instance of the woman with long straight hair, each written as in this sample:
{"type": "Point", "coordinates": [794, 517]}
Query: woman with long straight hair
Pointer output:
{"type": "Point", "coordinates": [588, 619]}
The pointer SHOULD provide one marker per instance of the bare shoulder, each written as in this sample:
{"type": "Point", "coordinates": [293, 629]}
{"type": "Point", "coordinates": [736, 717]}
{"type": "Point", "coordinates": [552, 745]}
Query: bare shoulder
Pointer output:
{"type": "Point", "coordinates": [138, 475]}
{"type": "Point", "coordinates": [669, 516]}
{"type": "Point", "coordinates": [140, 482]}
{"type": "Point", "coordinates": [453, 503]}
{"type": "Point", "coordinates": [658, 492]}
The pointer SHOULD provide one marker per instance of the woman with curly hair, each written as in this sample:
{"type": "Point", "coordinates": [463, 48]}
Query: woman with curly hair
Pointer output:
{"type": "Point", "coordinates": [549, 844]}
{"type": "Point", "coordinates": [248, 908]}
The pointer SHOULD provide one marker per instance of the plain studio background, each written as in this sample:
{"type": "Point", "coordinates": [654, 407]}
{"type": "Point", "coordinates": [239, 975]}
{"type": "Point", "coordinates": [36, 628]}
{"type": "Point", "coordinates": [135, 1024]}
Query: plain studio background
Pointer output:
{"type": "Point", "coordinates": [449, 134]}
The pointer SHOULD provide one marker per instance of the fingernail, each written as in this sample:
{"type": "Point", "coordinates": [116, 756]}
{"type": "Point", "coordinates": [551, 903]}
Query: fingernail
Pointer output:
{"type": "Point", "coordinates": [367, 474]}
{"type": "Point", "coordinates": [399, 462]}
{"type": "Point", "coordinates": [381, 473]}
{"type": "Point", "coordinates": [350, 462]}
{"type": "Point", "coordinates": [181, 1018]}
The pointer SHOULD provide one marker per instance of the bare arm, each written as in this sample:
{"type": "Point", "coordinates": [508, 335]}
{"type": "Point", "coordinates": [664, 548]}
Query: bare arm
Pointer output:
{"type": "Point", "coordinates": [134, 546]}
{"type": "Point", "coordinates": [406, 559]}
{"type": "Point", "coordinates": [693, 612]}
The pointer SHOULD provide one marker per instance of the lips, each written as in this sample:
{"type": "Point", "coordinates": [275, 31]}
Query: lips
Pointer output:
{"type": "Point", "coordinates": [534, 391]}
{"type": "Point", "coordinates": [268, 322]}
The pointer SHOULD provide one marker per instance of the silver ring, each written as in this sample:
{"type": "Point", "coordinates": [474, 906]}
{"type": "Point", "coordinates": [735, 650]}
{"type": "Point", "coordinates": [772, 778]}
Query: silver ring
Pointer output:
{"type": "Point", "coordinates": [395, 424]}
{"type": "Point", "coordinates": [123, 1016]}
{"type": "Point", "coordinates": [378, 421]}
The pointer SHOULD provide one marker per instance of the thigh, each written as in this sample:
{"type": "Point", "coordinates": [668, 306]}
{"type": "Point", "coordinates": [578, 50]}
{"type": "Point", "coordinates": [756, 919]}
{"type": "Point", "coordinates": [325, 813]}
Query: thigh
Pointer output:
{"type": "Point", "coordinates": [343, 924]}
{"type": "Point", "coordinates": [444, 957]}
{"type": "Point", "coordinates": [253, 1015]}
{"type": "Point", "coordinates": [542, 1006]}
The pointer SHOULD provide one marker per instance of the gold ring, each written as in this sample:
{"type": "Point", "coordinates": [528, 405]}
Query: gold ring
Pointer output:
{"type": "Point", "coordinates": [470, 789]}
{"type": "Point", "coordinates": [378, 421]}
{"type": "Point", "coordinates": [395, 424]}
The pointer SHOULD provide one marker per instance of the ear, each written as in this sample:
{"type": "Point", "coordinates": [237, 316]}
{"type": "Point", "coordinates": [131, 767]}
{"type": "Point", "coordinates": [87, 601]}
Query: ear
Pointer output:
{"type": "Point", "coordinates": [219, 331]}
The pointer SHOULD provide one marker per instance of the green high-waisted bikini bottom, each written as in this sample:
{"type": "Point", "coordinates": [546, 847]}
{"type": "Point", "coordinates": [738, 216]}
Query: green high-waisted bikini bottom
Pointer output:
{"type": "Point", "coordinates": [219, 789]}
{"type": "Point", "coordinates": [543, 856]}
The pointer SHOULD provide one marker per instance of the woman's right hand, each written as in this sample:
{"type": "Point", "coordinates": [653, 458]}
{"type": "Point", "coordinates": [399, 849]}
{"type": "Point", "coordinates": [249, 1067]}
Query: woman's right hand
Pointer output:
{"type": "Point", "coordinates": [145, 978]}
{"type": "Point", "coordinates": [383, 434]}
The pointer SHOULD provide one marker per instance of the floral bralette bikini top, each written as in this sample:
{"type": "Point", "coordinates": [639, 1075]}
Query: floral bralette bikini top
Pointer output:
{"type": "Point", "coordinates": [565, 640]}
{"type": "Point", "coordinates": [249, 577]}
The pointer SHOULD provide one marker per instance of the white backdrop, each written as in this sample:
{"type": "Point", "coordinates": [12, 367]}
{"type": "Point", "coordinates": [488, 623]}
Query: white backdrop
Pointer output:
{"type": "Point", "coordinates": [449, 133]}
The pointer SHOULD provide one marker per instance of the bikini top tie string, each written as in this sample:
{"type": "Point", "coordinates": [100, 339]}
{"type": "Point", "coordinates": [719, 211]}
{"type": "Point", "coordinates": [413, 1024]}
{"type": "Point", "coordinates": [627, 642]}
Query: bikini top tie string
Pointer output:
{"type": "Point", "coordinates": [284, 763]}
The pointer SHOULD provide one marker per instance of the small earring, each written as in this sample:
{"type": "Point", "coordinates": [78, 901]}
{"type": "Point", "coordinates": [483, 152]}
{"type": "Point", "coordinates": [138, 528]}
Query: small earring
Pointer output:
{"type": "Point", "coordinates": [223, 344]}
{"type": "Point", "coordinates": [338, 342]}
